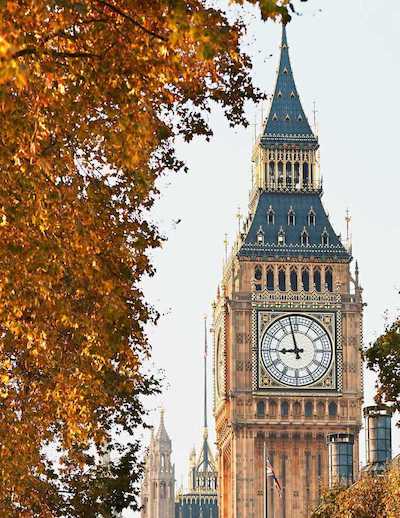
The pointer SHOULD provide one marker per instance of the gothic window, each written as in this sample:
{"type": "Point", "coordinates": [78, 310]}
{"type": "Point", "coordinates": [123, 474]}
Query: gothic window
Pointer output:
{"type": "Point", "coordinates": [297, 175]}
{"type": "Point", "coordinates": [305, 174]}
{"type": "Point", "coordinates": [321, 409]}
{"type": "Point", "coordinates": [304, 238]}
{"type": "Point", "coordinates": [270, 216]}
{"type": "Point", "coordinates": [270, 279]}
{"type": "Point", "coordinates": [317, 279]}
{"type": "Point", "coordinates": [292, 94]}
{"type": "Point", "coordinates": [293, 279]}
{"type": "Point", "coordinates": [332, 409]}
{"type": "Point", "coordinates": [287, 118]}
{"type": "Point", "coordinates": [311, 217]}
{"type": "Point", "coordinates": [291, 217]}
{"type": "Point", "coordinates": [308, 409]}
{"type": "Point", "coordinates": [258, 273]}
{"type": "Point", "coordinates": [260, 236]}
{"type": "Point", "coordinates": [311, 174]}
{"type": "Point", "coordinates": [260, 409]}
{"type": "Point", "coordinates": [282, 280]}
{"type": "Point", "coordinates": [275, 117]}
{"type": "Point", "coordinates": [329, 278]}
{"type": "Point", "coordinates": [284, 409]}
{"type": "Point", "coordinates": [280, 173]}
{"type": "Point", "coordinates": [281, 237]}
{"type": "Point", "coordinates": [296, 409]}
{"type": "Point", "coordinates": [271, 171]}
{"type": "Point", "coordinates": [305, 279]}
{"type": "Point", "coordinates": [289, 174]}
{"type": "Point", "coordinates": [272, 408]}
{"type": "Point", "coordinates": [325, 238]}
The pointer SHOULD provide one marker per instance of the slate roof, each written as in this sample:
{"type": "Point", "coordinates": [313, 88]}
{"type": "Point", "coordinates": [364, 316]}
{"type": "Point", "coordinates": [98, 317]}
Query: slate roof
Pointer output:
{"type": "Point", "coordinates": [287, 122]}
{"type": "Point", "coordinates": [301, 204]}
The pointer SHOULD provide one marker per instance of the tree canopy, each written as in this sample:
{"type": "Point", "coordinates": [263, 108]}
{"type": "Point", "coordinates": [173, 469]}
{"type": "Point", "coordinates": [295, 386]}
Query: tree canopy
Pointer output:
{"type": "Point", "coordinates": [383, 357]}
{"type": "Point", "coordinates": [370, 497]}
{"type": "Point", "coordinates": [93, 94]}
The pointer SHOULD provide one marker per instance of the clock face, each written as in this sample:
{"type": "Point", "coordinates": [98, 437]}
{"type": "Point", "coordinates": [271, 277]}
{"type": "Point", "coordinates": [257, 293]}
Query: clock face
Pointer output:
{"type": "Point", "coordinates": [296, 350]}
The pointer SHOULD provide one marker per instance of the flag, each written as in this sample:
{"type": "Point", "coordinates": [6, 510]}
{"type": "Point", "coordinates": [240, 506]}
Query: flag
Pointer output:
{"type": "Point", "coordinates": [271, 473]}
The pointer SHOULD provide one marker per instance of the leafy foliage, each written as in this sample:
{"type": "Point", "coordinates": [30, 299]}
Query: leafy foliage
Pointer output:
{"type": "Point", "coordinates": [92, 96]}
{"type": "Point", "coordinates": [383, 357]}
{"type": "Point", "coordinates": [370, 497]}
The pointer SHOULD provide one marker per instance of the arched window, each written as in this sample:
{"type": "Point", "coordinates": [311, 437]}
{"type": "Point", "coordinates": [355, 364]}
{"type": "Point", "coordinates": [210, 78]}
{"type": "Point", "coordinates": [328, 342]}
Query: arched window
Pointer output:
{"type": "Point", "coordinates": [272, 408]}
{"type": "Point", "coordinates": [296, 409]}
{"type": "Point", "coordinates": [305, 279]}
{"type": "Point", "coordinates": [308, 409]}
{"type": "Point", "coordinates": [280, 173]}
{"type": "Point", "coordinates": [291, 219]}
{"type": "Point", "coordinates": [260, 409]}
{"type": "Point", "coordinates": [284, 409]}
{"type": "Point", "coordinates": [317, 279]}
{"type": "Point", "coordinates": [329, 278]}
{"type": "Point", "coordinates": [304, 238]}
{"type": "Point", "coordinates": [311, 217]}
{"type": "Point", "coordinates": [325, 238]}
{"type": "Point", "coordinates": [293, 279]}
{"type": "Point", "coordinates": [305, 174]}
{"type": "Point", "coordinates": [282, 280]}
{"type": "Point", "coordinates": [258, 273]}
{"type": "Point", "coordinates": [297, 175]}
{"type": "Point", "coordinates": [270, 216]}
{"type": "Point", "coordinates": [271, 172]}
{"type": "Point", "coordinates": [270, 279]}
{"type": "Point", "coordinates": [332, 409]}
{"type": "Point", "coordinates": [321, 409]}
{"type": "Point", "coordinates": [289, 179]}
{"type": "Point", "coordinates": [281, 237]}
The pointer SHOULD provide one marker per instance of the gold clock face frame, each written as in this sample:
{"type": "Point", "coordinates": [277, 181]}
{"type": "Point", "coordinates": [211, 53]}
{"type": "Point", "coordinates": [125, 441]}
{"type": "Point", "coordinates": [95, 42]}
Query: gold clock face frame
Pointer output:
{"type": "Point", "coordinates": [330, 380]}
{"type": "Point", "coordinates": [296, 350]}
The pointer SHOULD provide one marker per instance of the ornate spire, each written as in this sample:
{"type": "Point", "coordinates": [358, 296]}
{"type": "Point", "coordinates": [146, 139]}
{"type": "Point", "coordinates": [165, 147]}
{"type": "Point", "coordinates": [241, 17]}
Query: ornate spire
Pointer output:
{"type": "Point", "coordinates": [287, 122]}
{"type": "Point", "coordinates": [205, 375]}
{"type": "Point", "coordinates": [162, 435]}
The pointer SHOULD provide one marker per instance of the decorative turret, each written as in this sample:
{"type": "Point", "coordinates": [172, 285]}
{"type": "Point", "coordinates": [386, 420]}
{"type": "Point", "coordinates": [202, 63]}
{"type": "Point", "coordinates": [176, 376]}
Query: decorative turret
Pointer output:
{"type": "Point", "coordinates": [158, 488]}
{"type": "Point", "coordinates": [285, 156]}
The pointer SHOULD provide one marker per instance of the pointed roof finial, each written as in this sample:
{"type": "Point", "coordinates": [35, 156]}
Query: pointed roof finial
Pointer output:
{"type": "Point", "coordinates": [162, 434]}
{"type": "Point", "coordinates": [287, 122]}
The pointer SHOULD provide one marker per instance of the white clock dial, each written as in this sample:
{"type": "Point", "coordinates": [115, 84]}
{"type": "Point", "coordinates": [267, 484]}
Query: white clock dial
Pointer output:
{"type": "Point", "coordinates": [296, 350]}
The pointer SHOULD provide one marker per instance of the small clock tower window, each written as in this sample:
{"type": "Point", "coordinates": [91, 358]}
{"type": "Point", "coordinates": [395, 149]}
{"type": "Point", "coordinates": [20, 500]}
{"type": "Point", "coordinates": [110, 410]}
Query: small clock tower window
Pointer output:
{"type": "Point", "coordinates": [284, 409]}
{"type": "Point", "coordinates": [282, 280]}
{"type": "Point", "coordinates": [329, 278]}
{"type": "Point", "coordinates": [260, 236]}
{"type": "Point", "coordinates": [308, 409]}
{"type": "Point", "coordinates": [293, 279]}
{"type": "Point", "coordinates": [311, 217]}
{"type": "Point", "coordinates": [258, 273]}
{"type": "Point", "coordinates": [291, 217]}
{"type": "Point", "coordinates": [317, 279]}
{"type": "Point", "coordinates": [270, 279]}
{"type": "Point", "coordinates": [305, 279]}
{"type": "Point", "coordinates": [281, 237]}
{"type": "Point", "coordinates": [270, 216]}
{"type": "Point", "coordinates": [332, 409]}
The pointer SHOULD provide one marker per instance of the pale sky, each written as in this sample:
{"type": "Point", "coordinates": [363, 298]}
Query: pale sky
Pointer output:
{"type": "Point", "coordinates": [345, 56]}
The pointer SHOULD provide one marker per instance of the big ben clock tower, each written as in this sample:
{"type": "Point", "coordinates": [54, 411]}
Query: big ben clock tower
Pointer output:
{"type": "Point", "coordinates": [287, 329]}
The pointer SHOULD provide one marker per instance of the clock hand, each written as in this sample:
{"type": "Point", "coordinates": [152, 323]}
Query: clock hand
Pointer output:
{"type": "Point", "coordinates": [296, 349]}
{"type": "Point", "coordinates": [284, 351]}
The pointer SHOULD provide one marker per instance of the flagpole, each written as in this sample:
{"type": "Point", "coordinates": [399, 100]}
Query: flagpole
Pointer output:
{"type": "Point", "coordinates": [265, 483]}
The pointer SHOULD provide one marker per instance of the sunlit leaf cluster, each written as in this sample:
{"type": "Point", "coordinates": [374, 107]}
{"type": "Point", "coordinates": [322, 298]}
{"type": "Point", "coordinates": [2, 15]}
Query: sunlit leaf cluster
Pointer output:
{"type": "Point", "coordinates": [92, 97]}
